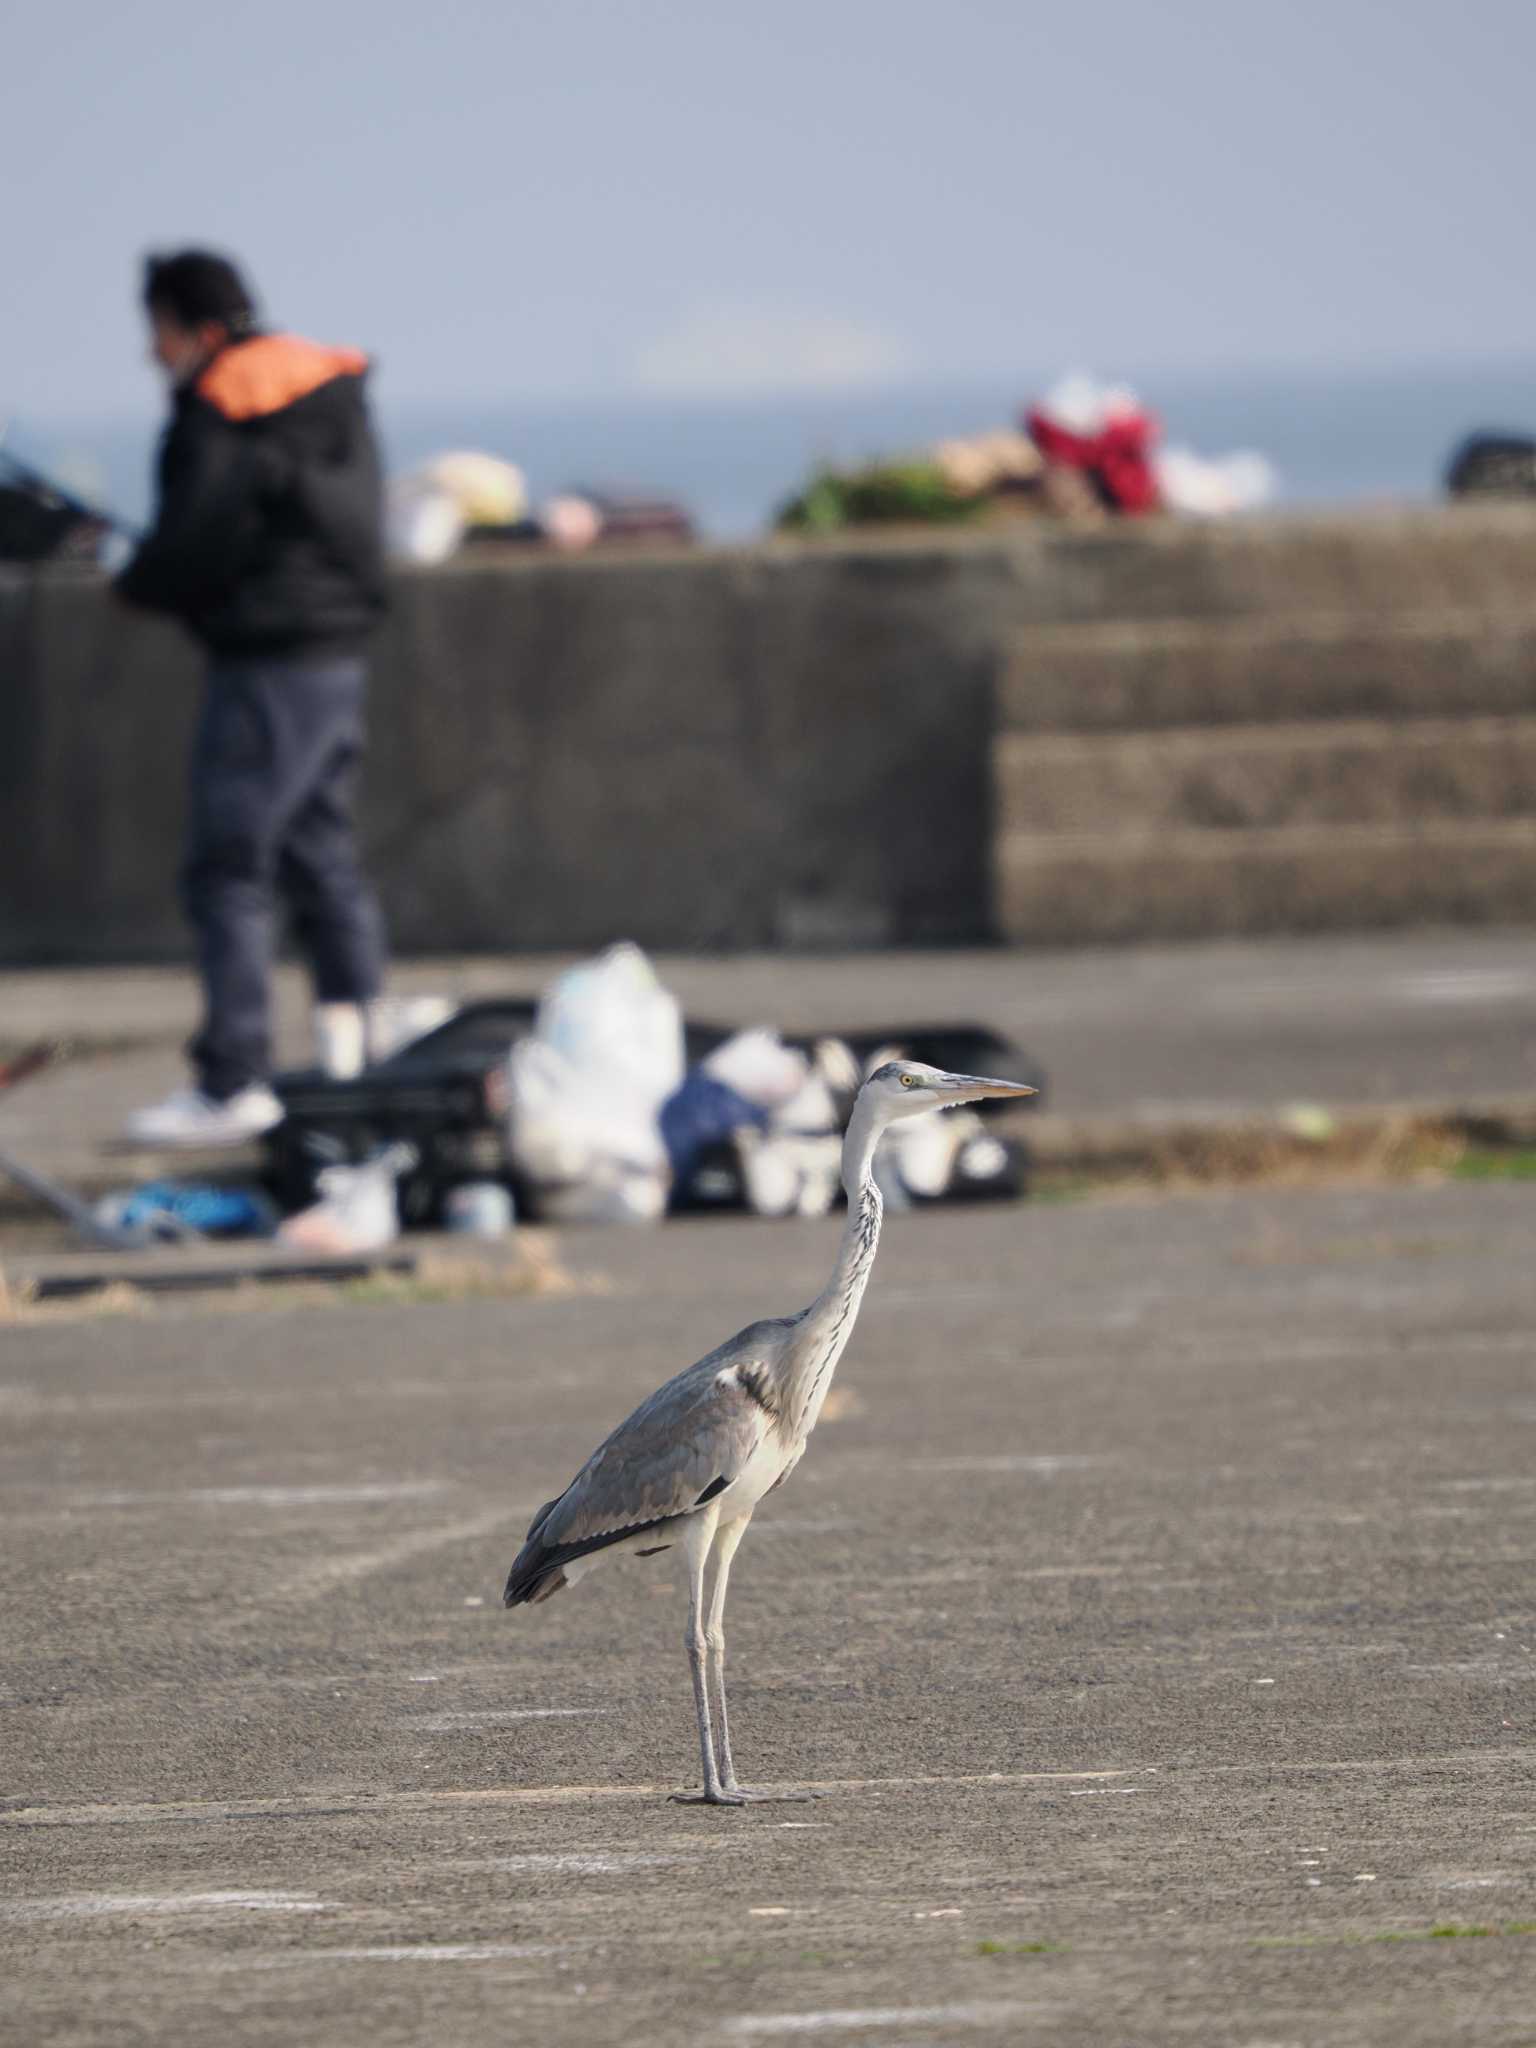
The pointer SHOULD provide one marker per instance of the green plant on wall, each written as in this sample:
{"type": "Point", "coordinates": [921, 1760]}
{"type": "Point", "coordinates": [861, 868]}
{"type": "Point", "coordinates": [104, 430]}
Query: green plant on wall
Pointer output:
{"type": "Point", "coordinates": [916, 493]}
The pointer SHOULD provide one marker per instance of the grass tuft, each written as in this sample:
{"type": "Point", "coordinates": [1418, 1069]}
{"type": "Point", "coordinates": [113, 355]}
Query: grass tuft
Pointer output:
{"type": "Point", "coordinates": [1448, 1930]}
{"type": "Point", "coordinates": [1485, 1163]}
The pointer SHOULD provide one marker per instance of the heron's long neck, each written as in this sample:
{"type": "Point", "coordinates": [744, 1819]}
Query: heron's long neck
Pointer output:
{"type": "Point", "coordinates": [828, 1323]}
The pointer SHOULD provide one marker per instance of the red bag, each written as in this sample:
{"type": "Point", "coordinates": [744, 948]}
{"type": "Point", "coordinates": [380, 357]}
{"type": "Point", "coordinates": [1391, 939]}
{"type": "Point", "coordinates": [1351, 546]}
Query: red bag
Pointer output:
{"type": "Point", "coordinates": [1118, 457]}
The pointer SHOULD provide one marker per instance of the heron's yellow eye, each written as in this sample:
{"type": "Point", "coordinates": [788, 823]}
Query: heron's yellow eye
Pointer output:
{"type": "Point", "coordinates": [909, 1080]}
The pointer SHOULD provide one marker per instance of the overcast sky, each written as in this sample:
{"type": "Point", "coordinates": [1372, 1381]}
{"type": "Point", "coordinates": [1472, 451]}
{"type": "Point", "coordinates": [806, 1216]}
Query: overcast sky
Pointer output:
{"type": "Point", "coordinates": [592, 197]}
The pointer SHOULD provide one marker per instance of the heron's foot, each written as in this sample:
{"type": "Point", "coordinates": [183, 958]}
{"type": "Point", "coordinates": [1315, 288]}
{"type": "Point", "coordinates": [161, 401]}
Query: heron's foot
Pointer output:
{"type": "Point", "coordinates": [728, 1795]}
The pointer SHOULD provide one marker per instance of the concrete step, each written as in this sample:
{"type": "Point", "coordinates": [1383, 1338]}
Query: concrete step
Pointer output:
{"type": "Point", "coordinates": [1355, 771]}
{"type": "Point", "coordinates": [1416, 558]}
{"type": "Point", "coordinates": [1106, 675]}
{"type": "Point", "coordinates": [1083, 888]}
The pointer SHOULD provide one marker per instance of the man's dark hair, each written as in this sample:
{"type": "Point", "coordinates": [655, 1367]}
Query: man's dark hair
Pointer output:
{"type": "Point", "coordinates": [195, 285]}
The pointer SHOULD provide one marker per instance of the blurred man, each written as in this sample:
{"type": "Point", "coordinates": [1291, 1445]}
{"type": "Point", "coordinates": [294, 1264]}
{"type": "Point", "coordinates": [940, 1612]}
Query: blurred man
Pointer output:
{"type": "Point", "coordinates": [268, 545]}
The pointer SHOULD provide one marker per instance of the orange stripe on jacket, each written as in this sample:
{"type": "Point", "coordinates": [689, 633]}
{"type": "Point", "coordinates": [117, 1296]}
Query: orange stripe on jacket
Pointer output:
{"type": "Point", "coordinates": [260, 376]}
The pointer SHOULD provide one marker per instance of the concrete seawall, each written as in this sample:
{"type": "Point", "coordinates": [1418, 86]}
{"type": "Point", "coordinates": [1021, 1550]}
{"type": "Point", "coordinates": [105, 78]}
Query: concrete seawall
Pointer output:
{"type": "Point", "coordinates": [860, 743]}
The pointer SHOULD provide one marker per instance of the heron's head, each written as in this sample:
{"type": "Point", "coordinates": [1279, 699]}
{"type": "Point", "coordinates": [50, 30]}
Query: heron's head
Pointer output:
{"type": "Point", "coordinates": [907, 1088]}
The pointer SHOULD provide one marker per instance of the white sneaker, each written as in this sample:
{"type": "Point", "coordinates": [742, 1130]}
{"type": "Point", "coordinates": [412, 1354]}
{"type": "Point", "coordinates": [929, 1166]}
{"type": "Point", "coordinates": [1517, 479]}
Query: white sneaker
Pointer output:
{"type": "Point", "coordinates": [188, 1117]}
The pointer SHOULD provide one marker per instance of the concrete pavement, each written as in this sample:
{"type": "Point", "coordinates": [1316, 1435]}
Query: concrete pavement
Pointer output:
{"type": "Point", "coordinates": [1154, 1606]}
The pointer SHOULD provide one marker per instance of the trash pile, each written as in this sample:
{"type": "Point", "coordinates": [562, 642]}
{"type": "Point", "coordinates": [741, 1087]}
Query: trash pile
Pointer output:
{"type": "Point", "coordinates": [602, 1103]}
{"type": "Point", "coordinates": [1083, 453]}
{"type": "Point", "coordinates": [466, 499]}
{"type": "Point", "coordinates": [598, 1103]}
{"type": "Point", "coordinates": [608, 1121]}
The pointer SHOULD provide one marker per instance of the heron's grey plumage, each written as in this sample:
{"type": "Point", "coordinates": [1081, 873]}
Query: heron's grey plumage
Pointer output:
{"type": "Point", "coordinates": [693, 1460]}
{"type": "Point", "coordinates": [664, 1461]}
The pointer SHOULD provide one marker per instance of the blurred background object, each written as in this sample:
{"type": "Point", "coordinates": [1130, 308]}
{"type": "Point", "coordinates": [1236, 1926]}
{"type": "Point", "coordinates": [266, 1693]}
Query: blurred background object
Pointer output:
{"type": "Point", "coordinates": [434, 507]}
{"type": "Point", "coordinates": [42, 520]}
{"type": "Point", "coordinates": [1084, 450]}
{"type": "Point", "coordinates": [1493, 466]}
{"type": "Point", "coordinates": [469, 500]}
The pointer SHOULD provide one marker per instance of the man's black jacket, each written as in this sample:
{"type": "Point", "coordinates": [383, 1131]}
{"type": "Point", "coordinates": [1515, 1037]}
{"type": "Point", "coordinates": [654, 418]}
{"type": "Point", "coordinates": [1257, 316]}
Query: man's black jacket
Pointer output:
{"type": "Point", "coordinates": [269, 529]}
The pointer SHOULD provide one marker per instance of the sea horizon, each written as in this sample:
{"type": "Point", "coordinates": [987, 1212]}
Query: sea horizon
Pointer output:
{"type": "Point", "coordinates": [1355, 432]}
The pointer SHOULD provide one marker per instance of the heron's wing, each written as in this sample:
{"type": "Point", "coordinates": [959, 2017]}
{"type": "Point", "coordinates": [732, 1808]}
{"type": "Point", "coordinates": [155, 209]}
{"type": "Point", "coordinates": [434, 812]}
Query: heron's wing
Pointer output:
{"type": "Point", "coordinates": [682, 1448]}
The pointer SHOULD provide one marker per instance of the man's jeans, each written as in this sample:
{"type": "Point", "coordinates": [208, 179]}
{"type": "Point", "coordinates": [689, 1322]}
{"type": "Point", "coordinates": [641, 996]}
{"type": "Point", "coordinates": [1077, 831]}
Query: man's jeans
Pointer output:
{"type": "Point", "coordinates": [271, 813]}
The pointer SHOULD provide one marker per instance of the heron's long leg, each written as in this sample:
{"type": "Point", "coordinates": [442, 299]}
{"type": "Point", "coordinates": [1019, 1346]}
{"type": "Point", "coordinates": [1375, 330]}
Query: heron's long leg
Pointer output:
{"type": "Point", "coordinates": [725, 1549]}
{"type": "Point", "coordinates": [701, 1534]}
{"type": "Point", "coordinates": [714, 1632]}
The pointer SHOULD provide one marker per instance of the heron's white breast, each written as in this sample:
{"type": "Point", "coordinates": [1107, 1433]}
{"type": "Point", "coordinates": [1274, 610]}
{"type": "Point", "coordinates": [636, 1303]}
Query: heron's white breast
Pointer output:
{"type": "Point", "coordinates": [762, 1471]}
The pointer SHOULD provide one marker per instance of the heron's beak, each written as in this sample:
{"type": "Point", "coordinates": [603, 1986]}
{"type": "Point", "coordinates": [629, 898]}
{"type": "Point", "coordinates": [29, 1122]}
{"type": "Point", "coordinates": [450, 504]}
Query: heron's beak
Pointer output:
{"type": "Point", "coordinates": [978, 1086]}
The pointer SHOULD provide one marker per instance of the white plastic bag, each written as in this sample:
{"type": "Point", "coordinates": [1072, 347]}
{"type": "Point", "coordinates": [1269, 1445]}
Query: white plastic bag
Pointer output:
{"type": "Point", "coordinates": [611, 1019]}
{"type": "Point", "coordinates": [586, 1089]}
{"type": "Point", "coordinates": [794, 1167]}
{"type": "Point", "coordinates": [433, 507]}
{"type": "Point", "coordinates": [422, 522]}
{"type": "Point", "coordinates": [924, 1153]}
{"type": "Point", "coordinates": [760, 1067]}
{"type": "Point", "coordinates": [791, 1174]}
{"type": "Point", "coordinates": [357, 1210]}
{"type": "Point", "coordinates": [1212, 487]}
{"type": "Point", "coordinates": [592, 1153]}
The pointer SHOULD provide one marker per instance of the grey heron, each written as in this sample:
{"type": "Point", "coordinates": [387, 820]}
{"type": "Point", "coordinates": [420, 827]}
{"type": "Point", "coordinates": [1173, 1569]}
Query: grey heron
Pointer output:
{"type": "Point", "coordinates": [693, 1461]}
